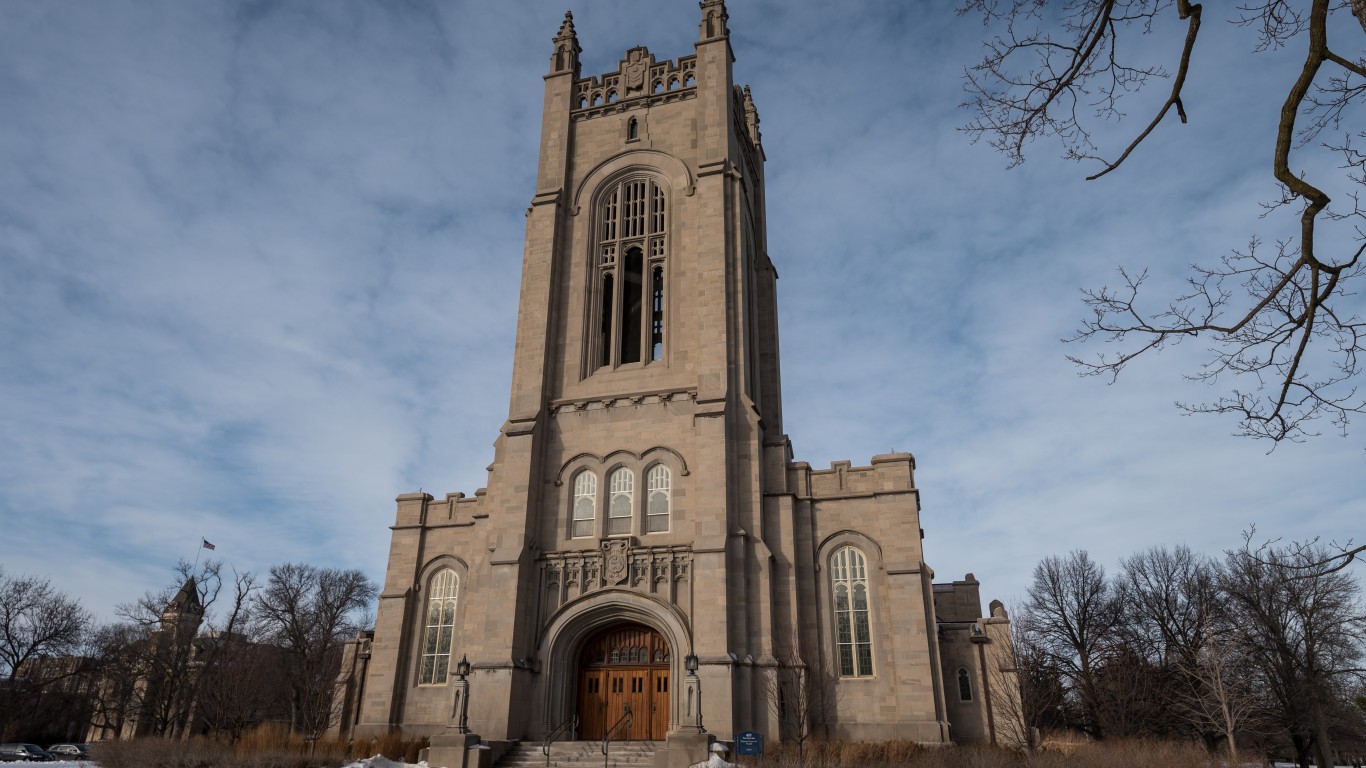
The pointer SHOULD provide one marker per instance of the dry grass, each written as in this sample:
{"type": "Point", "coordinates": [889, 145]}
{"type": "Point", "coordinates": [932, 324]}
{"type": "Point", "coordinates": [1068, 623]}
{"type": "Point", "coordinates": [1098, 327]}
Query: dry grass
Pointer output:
{"type": "Point", "coordinates": [905, 754]}
{"type": "Point", "coordinates": [267, 746]}
{"type": "Point", "coordinates": [275, 747]}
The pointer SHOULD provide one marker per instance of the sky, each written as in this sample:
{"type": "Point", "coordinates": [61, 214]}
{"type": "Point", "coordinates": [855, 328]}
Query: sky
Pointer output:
{"type": "Point", "coordinates": [259, 271]}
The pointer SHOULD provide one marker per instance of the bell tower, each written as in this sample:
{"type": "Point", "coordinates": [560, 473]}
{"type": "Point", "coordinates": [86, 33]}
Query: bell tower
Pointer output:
{"type": "Point", "coordinates": [645, 530]}
{"type": "Point", "coordinates": [646, 336]}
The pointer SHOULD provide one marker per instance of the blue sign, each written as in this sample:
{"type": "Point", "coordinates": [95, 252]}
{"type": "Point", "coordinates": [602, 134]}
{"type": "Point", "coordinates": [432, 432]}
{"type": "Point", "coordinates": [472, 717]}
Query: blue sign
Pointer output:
{"type": "Point", "coordinates": [749, 743]}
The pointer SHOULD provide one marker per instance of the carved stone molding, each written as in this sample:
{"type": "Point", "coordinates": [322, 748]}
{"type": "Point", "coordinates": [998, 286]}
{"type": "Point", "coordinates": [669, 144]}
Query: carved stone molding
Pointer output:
{"type": "Point", "coordinates": [662, 571]}
{"type": "Point", "coordinates": [614, 555]}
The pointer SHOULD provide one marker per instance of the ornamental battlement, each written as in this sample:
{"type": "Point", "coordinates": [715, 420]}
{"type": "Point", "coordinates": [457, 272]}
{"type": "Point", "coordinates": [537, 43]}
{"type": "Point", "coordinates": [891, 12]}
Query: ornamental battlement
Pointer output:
{"type": "Point", "coordinates": [638, 81]}
{"type": "Point", "coordinates": [889, 473]}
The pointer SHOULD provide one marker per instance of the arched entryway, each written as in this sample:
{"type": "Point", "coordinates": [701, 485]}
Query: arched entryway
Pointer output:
{"type": "Point", "coordinates": [624, 665]}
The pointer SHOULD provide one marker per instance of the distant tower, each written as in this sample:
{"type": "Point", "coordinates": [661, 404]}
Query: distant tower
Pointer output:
{"type": "Point", "coordinates": [164, 689]}
{"type": "Point", "coordinates": [182, 616]}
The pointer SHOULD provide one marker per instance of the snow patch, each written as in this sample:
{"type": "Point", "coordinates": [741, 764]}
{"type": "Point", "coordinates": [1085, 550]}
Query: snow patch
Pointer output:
{"type": "Point", "coordinates": [380, 761]}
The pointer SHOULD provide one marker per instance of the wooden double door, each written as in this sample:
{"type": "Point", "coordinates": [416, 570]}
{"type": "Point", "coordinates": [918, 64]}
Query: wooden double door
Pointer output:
{"type": "Point", "coordinates": [624, 666]}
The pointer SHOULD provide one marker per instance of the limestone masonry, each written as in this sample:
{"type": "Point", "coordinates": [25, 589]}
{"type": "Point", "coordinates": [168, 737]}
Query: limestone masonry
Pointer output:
{"type": "Point", "coordinates": [646, 539]}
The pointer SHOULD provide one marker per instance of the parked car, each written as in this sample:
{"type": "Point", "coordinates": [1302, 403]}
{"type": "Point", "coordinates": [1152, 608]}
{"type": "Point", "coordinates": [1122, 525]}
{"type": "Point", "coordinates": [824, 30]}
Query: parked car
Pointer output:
{"type": "Point", "coordinates": [70, 751]}
{"type": "Point", "coordinates": [20, 753]}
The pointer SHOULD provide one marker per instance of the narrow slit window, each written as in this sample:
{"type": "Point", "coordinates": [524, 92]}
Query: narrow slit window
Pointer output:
{"type": "Point", "coordinates": [964, 685]}
{"type": "Point", "coordinates": [632, 129]}
{"type": "Point", "coordinates": [631, 301]}
{"type": "Point", "coordinates": [606, 327]}
{"type": "Point", "coordinates": [657, 313]}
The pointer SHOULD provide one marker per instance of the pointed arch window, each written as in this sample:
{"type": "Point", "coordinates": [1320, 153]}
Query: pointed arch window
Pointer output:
{"type": "Point", "coordinates": [657, 499]}
{"type": "Point", "coordinates": [853, 633]}
{"type": "Point", "coordinates": [438, 634]}
{"type": "Point", "coordinates": [964, 685]}
{"type": "Point", "coordinates": [632, 247]}
{"type": "Point", "coordinates": [620, 502]}
{"type": "Point", "coordinates": [585, 504]}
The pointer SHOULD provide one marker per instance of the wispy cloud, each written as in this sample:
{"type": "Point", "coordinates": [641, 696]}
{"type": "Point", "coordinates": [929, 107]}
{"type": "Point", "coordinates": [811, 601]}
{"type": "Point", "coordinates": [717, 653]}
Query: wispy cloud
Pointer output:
{"type": "Point", "coordinates": [259, 271]}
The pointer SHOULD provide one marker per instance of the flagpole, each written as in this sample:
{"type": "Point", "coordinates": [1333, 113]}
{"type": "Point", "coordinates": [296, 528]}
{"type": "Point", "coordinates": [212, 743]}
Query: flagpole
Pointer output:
{"type": "Point", "coordinates": [199, 550]}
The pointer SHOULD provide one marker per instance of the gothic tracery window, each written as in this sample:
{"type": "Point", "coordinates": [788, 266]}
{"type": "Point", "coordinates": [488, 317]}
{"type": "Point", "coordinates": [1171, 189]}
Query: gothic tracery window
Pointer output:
{"type": "Point", "coordinates": [853, 633]}
{"type": "Point", "coordinates": [620, 502]}
{"type": "Point", "coordinates": [964, 685]}
{"type": "Point", "coordinates": [439, 630]}
{"type": "Point", "coordinates": [632, 230]}
{"type": "Point", "coordinates": [657, 499]}
{"type": "Point", "coordinates": [585, 504]}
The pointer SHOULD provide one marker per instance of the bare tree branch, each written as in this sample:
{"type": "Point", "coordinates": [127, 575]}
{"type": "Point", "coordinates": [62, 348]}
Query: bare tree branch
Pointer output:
{"type": "Point", "coordinates": [1310, 556]}
{"type": "Point", "coordinates": [1279, 323]}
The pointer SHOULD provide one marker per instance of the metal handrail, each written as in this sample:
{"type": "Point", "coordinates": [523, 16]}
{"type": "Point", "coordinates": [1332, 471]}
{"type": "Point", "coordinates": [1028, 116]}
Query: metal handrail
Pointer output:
{"type": "Point", "coordinates": [571, 724]}
{"type": "Point", "coordinates": [618, 725]}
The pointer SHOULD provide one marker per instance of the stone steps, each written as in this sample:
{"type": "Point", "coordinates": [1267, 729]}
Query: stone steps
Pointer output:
{"type": "Point", "coordinates": [582, 754]}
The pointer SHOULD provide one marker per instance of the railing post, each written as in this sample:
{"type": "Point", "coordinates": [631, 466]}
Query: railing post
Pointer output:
{"type": "Point", "coordinates": [572, 725]}
{"type": "Point", "coordinates": [607, 738]}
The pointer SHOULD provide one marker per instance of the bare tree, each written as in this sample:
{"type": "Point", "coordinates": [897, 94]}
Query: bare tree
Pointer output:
{"type": "Point", "coordinates": [1131, 695]}
{"type": "Point", "coordinates": [36, 621]}
{"type": "Point", "coordinates": [240, 685]}
{"type": "Point", "coordinates": [1053, 68]}
{"type": "Point", "coordinates": [802, 693]}
{"type": "Point", "coordinates": [1221, 692]}
{"type": "Point", "coordinates": [1073, 615]}
{"type": "Point", "coordinates": [1170, 596]}
{"type": "Point", "coordinates": [1303, 627]}
{"type": "Point", "coordinates": [41, 631]}
{"type": "Point", "coordinates": [310, 612]}
{"type": "Point", "coordinates": [1021, 719]}
{"type": "Point", "coordinates": [1326, 558]}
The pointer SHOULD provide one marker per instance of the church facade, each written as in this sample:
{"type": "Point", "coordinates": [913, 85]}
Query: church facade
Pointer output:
{"type": "Point", "coordinates": [647, 541]}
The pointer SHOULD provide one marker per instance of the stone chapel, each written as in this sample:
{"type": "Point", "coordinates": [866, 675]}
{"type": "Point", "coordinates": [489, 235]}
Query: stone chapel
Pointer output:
{"type": "Point", "coordinates": [646, 541]}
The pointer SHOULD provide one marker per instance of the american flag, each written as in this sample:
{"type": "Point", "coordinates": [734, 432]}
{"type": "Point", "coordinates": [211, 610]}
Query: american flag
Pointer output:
{"type": "Point", "coordinates": [207, 544]}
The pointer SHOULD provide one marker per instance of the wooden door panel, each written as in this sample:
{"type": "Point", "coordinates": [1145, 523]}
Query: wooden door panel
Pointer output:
{"type": "Point", "coordinates": [592, 704]}
{"type": "Point", "coordinates": [627, 665]}
{"type": "Point", "coordinates": [659, 704]}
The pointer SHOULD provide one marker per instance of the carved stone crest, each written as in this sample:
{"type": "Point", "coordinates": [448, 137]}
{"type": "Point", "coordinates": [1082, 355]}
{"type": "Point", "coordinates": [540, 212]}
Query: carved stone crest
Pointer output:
{"type": "Point", "coordinates": [637, 65]}
{"type": "Point", "coordinates": [614, 561]}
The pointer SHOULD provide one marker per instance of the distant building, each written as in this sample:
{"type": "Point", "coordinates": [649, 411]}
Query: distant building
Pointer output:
{"type": "Point", "coordinates": [644, 512]}
{"type": "Point", "coordinates": [150, 690]}
{"type": "Point", "coordinates": [47, 699]}
{"type": "Point", "coordinates": [178, 682]}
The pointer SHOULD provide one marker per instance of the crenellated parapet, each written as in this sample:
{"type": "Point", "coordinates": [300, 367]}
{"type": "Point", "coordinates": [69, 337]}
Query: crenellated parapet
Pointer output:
{"type": "Point", "coordinates": [639, 81]}
{"type": "Point", "coordinates": [422, 510]}
{"type": "Point", "coordinates": [889, 473]}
